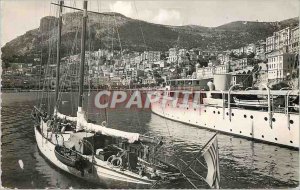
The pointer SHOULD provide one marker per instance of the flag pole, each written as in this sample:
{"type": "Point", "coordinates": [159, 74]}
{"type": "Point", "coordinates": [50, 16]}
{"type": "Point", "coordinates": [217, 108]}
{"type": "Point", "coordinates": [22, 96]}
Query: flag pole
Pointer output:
{"type": "Point", "coordinates": [191, 162]}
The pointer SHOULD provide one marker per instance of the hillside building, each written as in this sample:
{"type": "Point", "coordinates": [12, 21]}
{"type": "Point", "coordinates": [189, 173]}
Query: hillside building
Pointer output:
{"type": "Point", "coordinates": [294, 42]}
{"type": "Point", "coordinates": [173, 55]}
{"type": "Point", "coordinates": [280, 65]}
{"type": "Point", "coordinates": [280, 41]}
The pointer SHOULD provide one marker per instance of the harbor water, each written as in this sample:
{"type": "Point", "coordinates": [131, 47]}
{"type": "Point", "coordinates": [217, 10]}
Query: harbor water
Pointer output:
{"type": "Point", "coordinates": [243, 163]}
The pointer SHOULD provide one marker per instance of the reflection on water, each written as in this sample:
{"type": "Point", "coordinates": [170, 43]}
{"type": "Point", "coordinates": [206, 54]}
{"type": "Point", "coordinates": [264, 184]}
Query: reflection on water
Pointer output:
{"type": "Point", "coordinates": [243, 163]}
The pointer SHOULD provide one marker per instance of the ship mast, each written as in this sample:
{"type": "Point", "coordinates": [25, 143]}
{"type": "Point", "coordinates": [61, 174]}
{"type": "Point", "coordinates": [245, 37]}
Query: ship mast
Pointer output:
{"type": "Point", "coordinates": [82, 61]}
{"type": "Point", "coordinates": [58, 52]}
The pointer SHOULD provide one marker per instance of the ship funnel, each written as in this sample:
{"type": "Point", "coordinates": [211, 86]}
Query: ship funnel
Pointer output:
{"type": "Point", "coordinates": [222, 81]}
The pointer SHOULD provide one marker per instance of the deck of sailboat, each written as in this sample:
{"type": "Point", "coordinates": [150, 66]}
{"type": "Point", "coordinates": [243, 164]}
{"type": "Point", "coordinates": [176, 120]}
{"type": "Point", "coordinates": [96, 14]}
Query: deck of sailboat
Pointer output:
{"type": "Point", "coordinates": [134, 166]}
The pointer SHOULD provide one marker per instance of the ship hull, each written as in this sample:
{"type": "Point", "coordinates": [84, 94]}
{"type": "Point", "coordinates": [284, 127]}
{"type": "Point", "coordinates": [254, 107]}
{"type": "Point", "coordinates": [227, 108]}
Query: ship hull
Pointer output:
{"type": "Point", "coordinates": [283, 129]}
{"type": "Point", "coordinates": [99, 174]}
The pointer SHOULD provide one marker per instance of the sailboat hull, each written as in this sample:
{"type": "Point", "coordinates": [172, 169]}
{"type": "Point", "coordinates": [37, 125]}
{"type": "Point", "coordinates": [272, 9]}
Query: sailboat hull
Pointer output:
{"type": "Point", "coordinates": [99, 173]}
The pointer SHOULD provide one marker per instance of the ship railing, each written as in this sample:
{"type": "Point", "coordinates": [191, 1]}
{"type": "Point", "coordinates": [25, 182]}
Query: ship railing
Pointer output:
{"type": "Point", "coordinates": [289, 107]}
{"type": "Point", "coordinates": [229, 99]}
{"type": "Point", "coordinates": [276, 101]}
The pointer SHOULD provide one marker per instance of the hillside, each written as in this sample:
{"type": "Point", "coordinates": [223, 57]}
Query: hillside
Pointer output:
{"type": "Point", "coordinates": [103, 32]}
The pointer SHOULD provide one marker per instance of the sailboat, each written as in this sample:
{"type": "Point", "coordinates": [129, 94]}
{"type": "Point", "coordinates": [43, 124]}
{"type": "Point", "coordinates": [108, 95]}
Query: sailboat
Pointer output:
{"type": "Point", "coordinates": [94, 152]}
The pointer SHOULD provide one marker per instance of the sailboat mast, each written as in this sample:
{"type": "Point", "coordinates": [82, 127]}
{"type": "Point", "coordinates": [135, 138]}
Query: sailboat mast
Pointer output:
{"type": "Point", "coordinates": [82, 62]}
{"type": "Point", "coordinates": [58, 52]}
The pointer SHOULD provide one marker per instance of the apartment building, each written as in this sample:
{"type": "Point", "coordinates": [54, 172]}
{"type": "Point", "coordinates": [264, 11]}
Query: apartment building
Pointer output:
{"type": "Point", "coordinates": [280, 41]}
{"type": "Point", "coordinates": [294, 42]}
{"type": "Point", "coordinates": [240, 64]}
{"type": "Point", "coordinates": [280, 65]}
{"type": "Point", "coordinates": [208, 72]}
{"type": "Point", "coordinates": [260, 50]}
{"type": "Point", "coordinates": [173, 55]}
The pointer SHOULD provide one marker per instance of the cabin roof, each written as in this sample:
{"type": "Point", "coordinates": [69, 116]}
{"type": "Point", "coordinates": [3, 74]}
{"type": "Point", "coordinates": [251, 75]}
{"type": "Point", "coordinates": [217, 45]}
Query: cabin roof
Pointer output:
{"type": "Point", "coordinates": [183, 80]}
{"type": "Point", "coordinates": [265, 92]}
{"type": "Point", "coordinates": [249, 92]}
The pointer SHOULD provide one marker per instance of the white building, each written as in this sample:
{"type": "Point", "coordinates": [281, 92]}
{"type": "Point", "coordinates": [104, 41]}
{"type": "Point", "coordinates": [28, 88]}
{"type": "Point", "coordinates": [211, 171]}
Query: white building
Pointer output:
{"type": "Point", "coordinates": [294, 42]}
{"type": "Point", "coordinates": [240, 64]}
{"type": "Point", "coordinates": [208, 72]}
{"type": "Point", "coordinates": [279, 41]}
{"type": "Point", "coordinates": [280, 65]}
{"type": "Point", "coordinates": [182, 52]}
{"type": "Point", "coordinates": [260, 50]}
{"type": "Point", "coordinates": [270, 44]}
{"type": "Point", "coordinates": [223, 58]}
{"type": "Point", "coordinates": [173, 55]}
{"type": "Point", "coordinates": [250, 49]}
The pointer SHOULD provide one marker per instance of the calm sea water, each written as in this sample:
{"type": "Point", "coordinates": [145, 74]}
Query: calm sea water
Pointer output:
{"type": "Point", "coordinates": [243, 163]}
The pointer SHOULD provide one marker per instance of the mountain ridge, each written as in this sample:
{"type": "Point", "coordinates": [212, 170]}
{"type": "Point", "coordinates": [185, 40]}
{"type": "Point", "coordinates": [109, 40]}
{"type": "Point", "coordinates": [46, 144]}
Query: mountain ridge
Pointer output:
{"type": "Point", "coordinates": [104, 31]}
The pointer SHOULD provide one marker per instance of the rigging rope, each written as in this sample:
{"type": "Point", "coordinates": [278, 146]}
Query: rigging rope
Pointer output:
{"type": "Point", "coordinates": [46, 72]}
{"type": "Point", "coordinates": [139, 21]}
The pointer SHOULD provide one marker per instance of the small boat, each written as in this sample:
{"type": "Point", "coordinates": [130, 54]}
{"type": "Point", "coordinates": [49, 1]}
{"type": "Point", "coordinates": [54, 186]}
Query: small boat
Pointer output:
{"type": "Point", "coordinates": [214, 99]}
{"type": "Point", "coordinates": [69, 157]}
{"type": "Point", "coordinates": [250, 101]}
{"type": "Point", "coordinates": [213, 102]}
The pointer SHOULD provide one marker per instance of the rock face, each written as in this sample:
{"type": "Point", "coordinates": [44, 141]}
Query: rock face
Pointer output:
{"type": "Point", "coordinates": [115, 31]}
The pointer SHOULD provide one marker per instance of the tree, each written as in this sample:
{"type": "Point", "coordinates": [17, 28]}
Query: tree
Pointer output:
{"type": "Point", "coordinates": [203, 62]}
{"type": "Point", "coordinates": [5, 64]}
{"type": "Point", "coordinates": [232, 54]}
{"type": "Point", "coordinates": [243, 55]}
{"type": "Point", "coordinates": [251, 55]}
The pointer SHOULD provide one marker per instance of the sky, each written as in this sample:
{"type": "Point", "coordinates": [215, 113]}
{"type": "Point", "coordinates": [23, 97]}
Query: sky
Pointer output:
{"type": "Point", "coordinates": [19, 16]}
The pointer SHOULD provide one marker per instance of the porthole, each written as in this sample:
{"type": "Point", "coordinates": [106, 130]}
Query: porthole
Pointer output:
{"type": "Point", "coordinates": [226, 113]}
{"type": "Point", "coordinates": [291, 122]}
{"type": "Point", "coordinates": [214, 112]}
{"type": "Point", "coordinates": [275, 139]}
{"type": "Point", "coordinates": [251, 134]}
{"type": "Point", "coordinates": [230, 129]}
{"type": "Point", "coordinates": [218, 112]}
{"type": "Point", "coordinates": [266, 119]}
{"type": "Point", "coordinates": [187, 108]}
{"type": "Point", "coordinates": [204, 110]}
{"type": "Point", "coordinates": [245, 116]}
{"type": "Point", "coordinates": [232, 114]}
{"type": "Point", "coordinates": [194, 109]}
{"type": "Point", "coordinates": [263, 136]}
{"type": "Point", "coordinates": [240, 131]}
{"type": "Point", "coordinates": [273, 119]}
{"type": "Point", "coordinates": [291, 141]}
{"type": "Point", "coordinates": [214, 126]}
{"type": "Point", "coordinates": [251, 116]}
